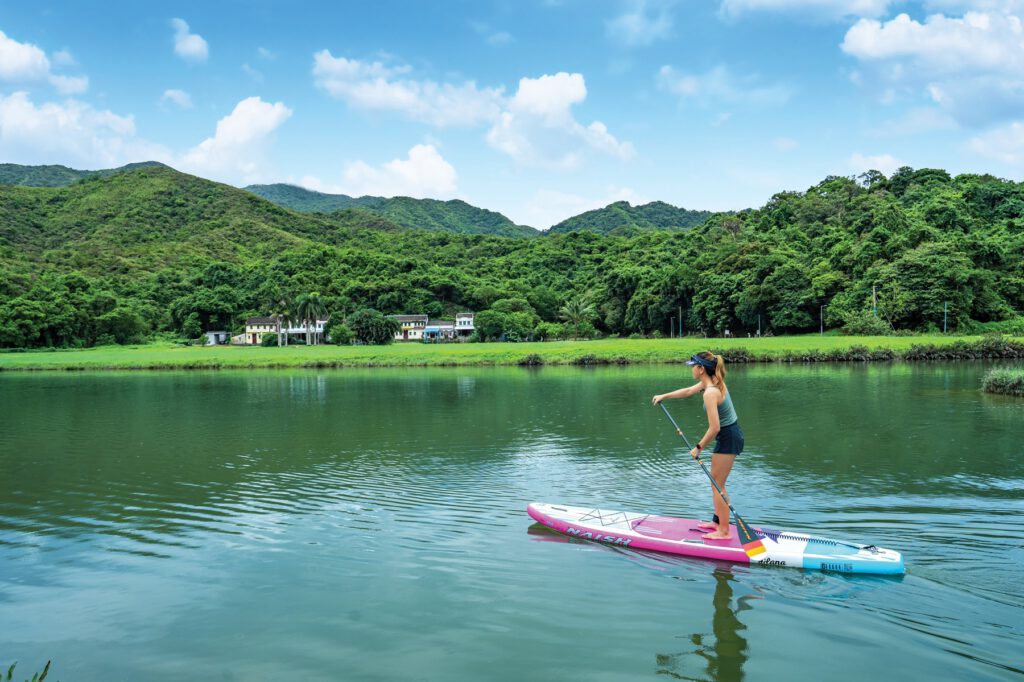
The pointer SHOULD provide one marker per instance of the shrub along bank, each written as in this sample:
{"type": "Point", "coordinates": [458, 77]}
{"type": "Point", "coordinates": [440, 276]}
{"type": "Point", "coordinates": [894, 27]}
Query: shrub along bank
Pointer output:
{"type": "Point", "coordinates": [1007, 381]}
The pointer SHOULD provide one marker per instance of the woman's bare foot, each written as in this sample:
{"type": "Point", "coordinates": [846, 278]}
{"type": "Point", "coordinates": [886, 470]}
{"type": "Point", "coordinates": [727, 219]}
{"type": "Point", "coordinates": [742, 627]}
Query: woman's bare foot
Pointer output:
{"type": "Point", "coordinates": [707, 525]}
{"type": "Point", "coordinates": [717, 535]}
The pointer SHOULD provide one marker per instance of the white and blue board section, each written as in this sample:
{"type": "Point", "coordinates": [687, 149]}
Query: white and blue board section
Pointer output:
{"type": "Point", "coordinates": [681, 536]}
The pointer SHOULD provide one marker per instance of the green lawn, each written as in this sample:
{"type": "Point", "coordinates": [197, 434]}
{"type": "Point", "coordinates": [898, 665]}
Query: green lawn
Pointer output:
{"type": "Point", "coordinates": [168, 356]}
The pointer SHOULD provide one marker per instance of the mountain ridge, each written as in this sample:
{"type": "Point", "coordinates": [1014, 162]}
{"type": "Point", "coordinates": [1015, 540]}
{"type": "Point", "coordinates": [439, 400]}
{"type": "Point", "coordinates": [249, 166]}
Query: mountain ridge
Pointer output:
{"type": "Point", "coordinates": [56, 175]}
{"type": "Point", "coordinates": [621, 217]}
{"type": "Point", "coordinates": [453, 215]}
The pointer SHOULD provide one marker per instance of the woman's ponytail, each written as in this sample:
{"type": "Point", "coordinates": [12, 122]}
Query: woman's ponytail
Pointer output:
{"type": "Point", "coordinates": [718, 378]}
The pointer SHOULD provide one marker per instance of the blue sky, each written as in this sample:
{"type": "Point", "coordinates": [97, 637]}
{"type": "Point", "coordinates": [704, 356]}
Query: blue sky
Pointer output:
{"type": "Point", "coordinates": [540, 109]}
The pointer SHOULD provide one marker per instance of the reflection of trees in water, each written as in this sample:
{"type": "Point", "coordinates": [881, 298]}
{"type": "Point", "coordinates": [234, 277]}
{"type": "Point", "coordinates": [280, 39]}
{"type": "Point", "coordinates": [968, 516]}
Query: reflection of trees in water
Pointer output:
{"type": "Point", "coordinates": [724, 651]}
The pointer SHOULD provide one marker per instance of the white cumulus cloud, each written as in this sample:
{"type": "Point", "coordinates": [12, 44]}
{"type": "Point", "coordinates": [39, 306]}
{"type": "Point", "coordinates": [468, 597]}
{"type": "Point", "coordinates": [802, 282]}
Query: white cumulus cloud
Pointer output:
{"type": "Point", "coordinates": [538, 126]}
{"type": "Point", "coordinates": [972, 67]}
{"type": "Point", "coordinates": [22, 62]}
{"type": "Point", "coordinates": [252, 73]}
{"type": "Point", "coordinates": [63, 58]}
{"type": "Point", "coordinates": [828, 9]}
{"type": "Point", "coordinates": [187, 45]}
{"type": "Point", "coordinates": [70, 132]}
{"type": "Point", "coordinates": [785, 144]}
{"type": "Point", "coordinates": [423, 174]}
{"type": "Point", "coordinates": [549, 97]}
{"type": "Point", "coordinates": [885, 163]}
{"type": "Point", "coordinates": [721, 85]}
{"type": "Point", "coordinates": [494, 38]}
{"type": "Point", "coordinates": [180, 98]}
{"type": "Point", "coordinates": [534, 126]}
{"type": "Point", "coordinates": [500, 39]}
{"type": "Point", "coordinates": [975, 42]}
{"type": "Point", "coordinates": [26, 63]}
{"type": "Point", "coordinates": [1004, 144]}
{"type": "Point", "coordinates": [374, 85]}
{"type": "Point", "coordinates": [642, 24]}
{"type": "Point", "coordinates": [69, 85]}
{"type": "Point", "coordinates": [236, 151]}
{"type": "Point", "coordinates": [961, 6]}
{"type": "Point", "coordinates": [914, 122]}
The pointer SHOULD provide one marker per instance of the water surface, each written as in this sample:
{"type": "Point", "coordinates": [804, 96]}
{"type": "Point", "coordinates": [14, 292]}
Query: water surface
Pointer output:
{"type": "Point", "coordinates": [371, 525]}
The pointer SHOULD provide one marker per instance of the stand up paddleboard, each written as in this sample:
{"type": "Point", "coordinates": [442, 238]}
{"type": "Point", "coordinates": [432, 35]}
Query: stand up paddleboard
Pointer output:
{"type": "Point", "coordinates": [681, 536]}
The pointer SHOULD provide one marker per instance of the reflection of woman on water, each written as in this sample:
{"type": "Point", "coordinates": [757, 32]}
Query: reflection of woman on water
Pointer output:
{"type": "Point", "coordinates": [730, 647]}
{"type": "Point", "coordinates": [727, 655]}
{"type": "Point", "coordinates": [709, 371]}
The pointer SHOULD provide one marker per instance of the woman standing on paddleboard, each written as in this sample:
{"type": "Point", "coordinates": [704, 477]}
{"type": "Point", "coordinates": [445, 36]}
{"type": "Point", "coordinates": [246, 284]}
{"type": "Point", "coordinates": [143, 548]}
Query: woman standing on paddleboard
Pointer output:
{"type": "Point", "coordinates": [709, 372]}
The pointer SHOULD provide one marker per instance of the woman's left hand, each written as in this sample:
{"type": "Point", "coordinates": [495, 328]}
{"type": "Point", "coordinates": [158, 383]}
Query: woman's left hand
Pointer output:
{"type": "Point", "coordinates": [695, 453]}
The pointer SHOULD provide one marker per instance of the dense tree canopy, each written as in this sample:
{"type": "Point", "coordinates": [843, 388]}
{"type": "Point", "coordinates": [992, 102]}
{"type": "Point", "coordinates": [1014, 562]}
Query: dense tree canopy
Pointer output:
{"type": "Point", "coordinates": [119, 258]}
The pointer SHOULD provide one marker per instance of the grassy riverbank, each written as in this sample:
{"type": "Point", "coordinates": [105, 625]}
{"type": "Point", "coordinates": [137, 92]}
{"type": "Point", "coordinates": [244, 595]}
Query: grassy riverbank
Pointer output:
{"type": "Point", "coordinates": [806, 348]}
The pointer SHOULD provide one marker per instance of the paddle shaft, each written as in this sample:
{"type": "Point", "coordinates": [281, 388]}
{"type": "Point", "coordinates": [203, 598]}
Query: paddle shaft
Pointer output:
{"type": "Point", "coordinates": [699, 460]}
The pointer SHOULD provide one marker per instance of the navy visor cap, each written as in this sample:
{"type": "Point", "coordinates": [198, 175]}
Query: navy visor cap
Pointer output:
{"type": "Point", "coordinates": [706, 364]}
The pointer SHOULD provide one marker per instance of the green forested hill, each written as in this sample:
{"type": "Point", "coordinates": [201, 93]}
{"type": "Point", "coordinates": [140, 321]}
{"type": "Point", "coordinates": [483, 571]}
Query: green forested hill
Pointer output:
{"type": "Point", "coordinates": [122, 257]}
{"type": "Point", "coordinates": [426, 214]}
{"type": "Point", "coordinates": [149, 217]}
{"type": "Point", "coordinates": [622, 218]}
{"type": "Point", "coordinates": [59, 176]}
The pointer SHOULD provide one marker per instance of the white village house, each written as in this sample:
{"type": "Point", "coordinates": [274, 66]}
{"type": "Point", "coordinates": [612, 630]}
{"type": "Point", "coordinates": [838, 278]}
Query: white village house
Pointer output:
{"type": "Point", "coordinates": [421, 328]}
{"type": "Point", "coordinates": [412, 327]}
{"type": "Point", "coordinates": [257, 327]}
{"type": "Point", "coordinates": [216, 338]}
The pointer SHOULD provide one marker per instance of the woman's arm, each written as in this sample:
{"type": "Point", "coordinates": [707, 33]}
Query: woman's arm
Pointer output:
{"type": "Point", "coordinates": [679, 393]}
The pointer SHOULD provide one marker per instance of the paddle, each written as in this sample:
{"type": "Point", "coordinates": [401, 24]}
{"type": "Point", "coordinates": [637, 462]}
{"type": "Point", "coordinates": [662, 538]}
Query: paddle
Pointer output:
{"type": "Point", "coordinates": [748, 538]}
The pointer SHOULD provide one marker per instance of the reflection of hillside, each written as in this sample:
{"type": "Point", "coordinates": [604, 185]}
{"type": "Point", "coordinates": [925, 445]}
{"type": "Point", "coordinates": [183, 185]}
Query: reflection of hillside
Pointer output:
{"type": "Point", "coordinates": [723, 652]}
{"type": "Point", "coordinates": [153, 456]}
{"type": "Point", "coordinates": [163, 454]}
{"type": "Point", "coordinates": [883, 428]}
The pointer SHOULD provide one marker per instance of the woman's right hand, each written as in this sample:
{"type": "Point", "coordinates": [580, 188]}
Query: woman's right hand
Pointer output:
{"type": "Point", "coordinates": [657, 399]}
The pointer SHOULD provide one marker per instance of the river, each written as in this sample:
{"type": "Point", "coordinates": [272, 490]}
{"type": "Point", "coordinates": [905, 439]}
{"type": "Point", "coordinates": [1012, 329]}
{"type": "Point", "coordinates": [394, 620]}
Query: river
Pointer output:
{"type": "Point", "coordinates": [371, 525]}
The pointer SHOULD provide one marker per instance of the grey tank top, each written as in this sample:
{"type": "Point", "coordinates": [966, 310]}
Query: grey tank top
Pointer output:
{"type": "Point", "coordinates": [726, 411]}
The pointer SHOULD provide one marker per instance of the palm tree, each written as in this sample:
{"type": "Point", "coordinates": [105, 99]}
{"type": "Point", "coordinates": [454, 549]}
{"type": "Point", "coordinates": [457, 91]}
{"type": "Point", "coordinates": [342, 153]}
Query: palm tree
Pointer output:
{"type": "Point", "coordinates": [578, 311]}
{"type": "Point", "coordinates": [309, 308]}
{"type": "Point", "coordinates": [282, 316]}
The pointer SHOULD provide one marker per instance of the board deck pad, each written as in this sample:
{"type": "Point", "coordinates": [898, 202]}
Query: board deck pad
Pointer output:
{"type": "Point", "coordinates": [681, 536]}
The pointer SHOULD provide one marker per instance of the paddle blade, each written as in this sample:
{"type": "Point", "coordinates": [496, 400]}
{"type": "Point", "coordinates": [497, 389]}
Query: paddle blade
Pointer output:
{"type": "Point", "coordinates": [754, 548]}
{"type": "Point", "coordinates": [748, 539]}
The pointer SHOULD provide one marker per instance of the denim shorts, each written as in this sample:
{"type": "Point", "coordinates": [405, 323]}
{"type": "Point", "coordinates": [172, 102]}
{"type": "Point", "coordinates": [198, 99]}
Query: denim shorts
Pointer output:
{"type": "Point", "coordinates": [730, 440]}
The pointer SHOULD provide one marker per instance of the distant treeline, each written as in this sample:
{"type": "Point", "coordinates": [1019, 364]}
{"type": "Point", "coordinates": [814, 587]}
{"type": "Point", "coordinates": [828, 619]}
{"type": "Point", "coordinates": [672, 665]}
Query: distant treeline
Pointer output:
{"type": "Point", "coordinates": [120, 258]}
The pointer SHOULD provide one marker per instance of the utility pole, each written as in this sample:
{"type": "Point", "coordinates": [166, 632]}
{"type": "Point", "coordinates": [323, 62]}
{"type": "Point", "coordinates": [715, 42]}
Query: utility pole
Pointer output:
{"type": "Point", "coordinates": [944, 316]}
{"type": "Point", "coordinates": [671, 327]}
{"type": "Point", "coordinates": [874, 301]}
{"type": "Point", "coordinates": [680, 321]}
{"type": "Point", "coordinates": [759, 325]}
{"type": "Point", "coordinates": [821, 318]}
